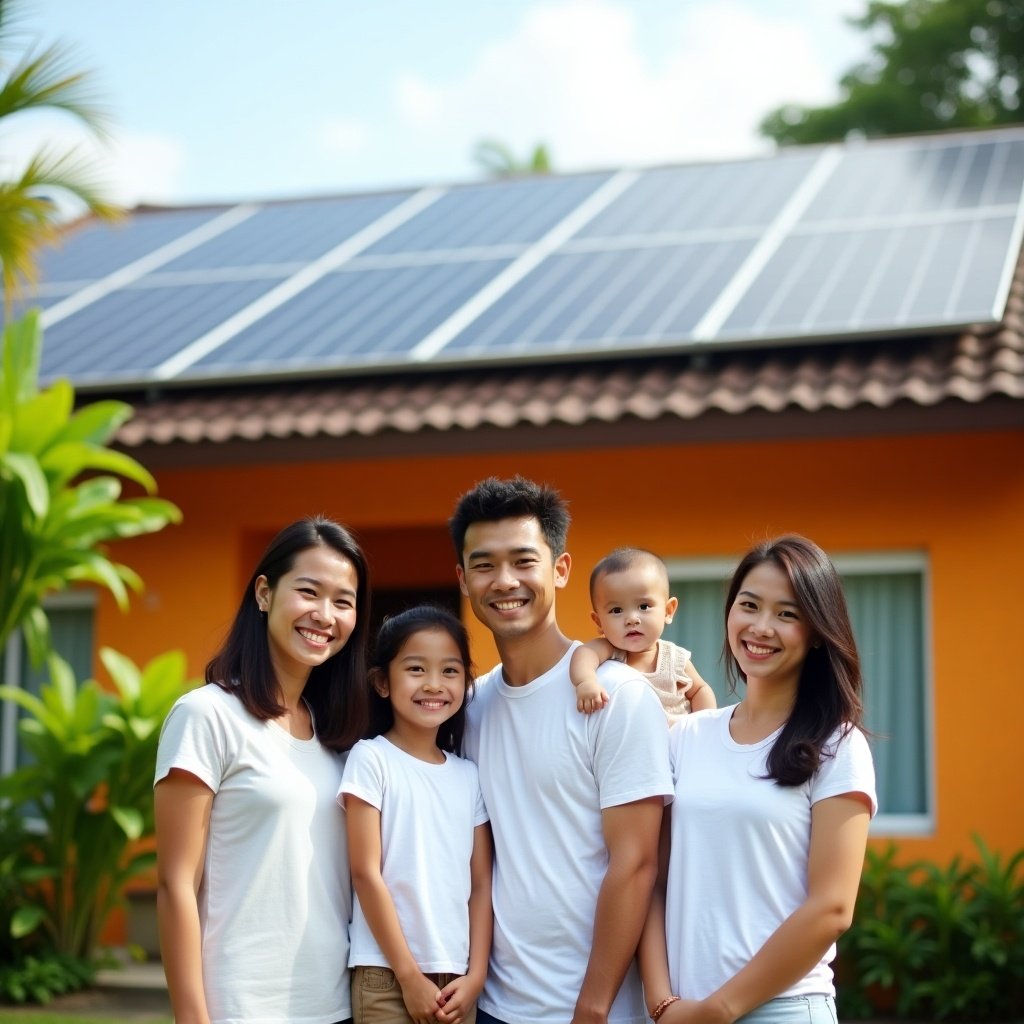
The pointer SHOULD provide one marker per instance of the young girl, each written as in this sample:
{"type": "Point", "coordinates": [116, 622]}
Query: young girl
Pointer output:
{"type": "Point", "coordinates": [253, 889]}
{"type": "Point", "coordinates": [419, 841]}
{"type": "Point", "coordinates": [776, 792]}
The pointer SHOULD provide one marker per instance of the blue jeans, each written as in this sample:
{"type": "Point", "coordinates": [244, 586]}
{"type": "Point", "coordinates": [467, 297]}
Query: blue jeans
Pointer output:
{"type": "Point", "coordinates": [793, 1010]}
{"type": "Point", "coordinates": [483, 1017]}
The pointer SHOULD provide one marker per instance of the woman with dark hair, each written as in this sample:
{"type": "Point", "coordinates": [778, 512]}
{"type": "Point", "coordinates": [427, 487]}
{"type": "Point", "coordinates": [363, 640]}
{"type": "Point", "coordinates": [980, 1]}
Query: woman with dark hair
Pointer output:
{"type": "Point", "coordinates": [252, 865]}
{"type": "Point", "coordinates": [774, 796]}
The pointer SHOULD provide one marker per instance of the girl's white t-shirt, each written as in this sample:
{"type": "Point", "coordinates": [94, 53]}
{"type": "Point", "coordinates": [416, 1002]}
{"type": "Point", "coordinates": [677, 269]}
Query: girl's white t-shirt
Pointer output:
{"type": "Point", "coordinates": [275, 898]}
{"type": "Point", "coordinates": [740, 847]}
{"type": "Point", "coordinates": [428, 813]}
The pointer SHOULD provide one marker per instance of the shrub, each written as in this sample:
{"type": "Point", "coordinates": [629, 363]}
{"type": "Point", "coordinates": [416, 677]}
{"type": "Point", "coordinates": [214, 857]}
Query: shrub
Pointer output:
{"type": "Point", "coordinates": [89, 787]}
{"type": "Point", "coordinates": [30, 970]}
{"type": "Point", "coordinates": [936, 943]}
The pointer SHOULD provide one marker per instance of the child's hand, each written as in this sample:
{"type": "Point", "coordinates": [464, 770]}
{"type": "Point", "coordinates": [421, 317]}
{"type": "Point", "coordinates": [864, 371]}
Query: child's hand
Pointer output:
{"type": "Point", "coordinates": [420, 996]}
{"type": "Point", "coordinates": [590, 695]}
{"type": "Point", "coordinates": [456, 999]}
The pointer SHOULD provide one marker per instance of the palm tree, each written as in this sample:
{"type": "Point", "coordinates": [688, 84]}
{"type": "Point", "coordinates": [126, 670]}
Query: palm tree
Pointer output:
{"type": "Point", "coordinates": [498, 160]}
{"type": "Point", "coordinates": [38, 78]}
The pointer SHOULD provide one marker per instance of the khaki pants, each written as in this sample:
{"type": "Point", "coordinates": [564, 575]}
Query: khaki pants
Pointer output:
{"type": "Point", "coordinates": [377, 996]}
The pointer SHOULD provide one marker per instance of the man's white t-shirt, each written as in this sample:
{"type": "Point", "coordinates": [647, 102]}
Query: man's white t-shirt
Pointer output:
{"type": "Point", "coordinates": [275, 898]}
{"type": "Point", "coordinates": [428, 813]}
{"type": "Point", "coordinates": [547, 772]}
{"type": "Point", "coordinates": [740, 846]}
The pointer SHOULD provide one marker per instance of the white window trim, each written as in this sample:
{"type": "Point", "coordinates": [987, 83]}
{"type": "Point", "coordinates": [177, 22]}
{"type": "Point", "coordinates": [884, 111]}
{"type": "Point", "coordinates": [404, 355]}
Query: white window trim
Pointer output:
{"type": "Point", "coordinates": [12, 674]}
{"type": "Point", "coordinates": [700, 569]}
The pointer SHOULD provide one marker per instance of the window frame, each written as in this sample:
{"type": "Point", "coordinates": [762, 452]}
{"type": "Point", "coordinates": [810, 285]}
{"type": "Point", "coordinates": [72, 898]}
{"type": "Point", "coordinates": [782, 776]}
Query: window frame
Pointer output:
{"type": "Point", "coordinates": [13, 662]}
{"type": "Point", "coordinates": [864, 563]}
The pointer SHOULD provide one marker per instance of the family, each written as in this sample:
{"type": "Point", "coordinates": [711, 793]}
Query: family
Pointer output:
{"type": "Point", "coordinates": [366, 832]}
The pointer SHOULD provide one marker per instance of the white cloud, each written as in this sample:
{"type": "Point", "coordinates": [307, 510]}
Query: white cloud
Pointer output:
{"type": "Point", "coordinates": [342, 136]}
{"type": "Point", "coordinates": [573, 76]}
{"type": "Point", "coordinates": [146, 168]}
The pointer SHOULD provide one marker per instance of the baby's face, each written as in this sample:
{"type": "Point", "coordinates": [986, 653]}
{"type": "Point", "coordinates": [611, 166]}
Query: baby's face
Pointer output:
{"type": "Point", "coordinates": [632, 607]}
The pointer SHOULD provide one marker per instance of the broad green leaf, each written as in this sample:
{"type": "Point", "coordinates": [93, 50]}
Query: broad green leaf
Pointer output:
{"type": "Point", "coordinates": [74, 457]}
{"type": "Point", "coordinates": [22, 346]}
{"type": "Point", "coordinates": [6, 428]}
{"type": "Point", "coordinates": [130, 820]}
{"type": "Point", "coordinates": [26, 469]}
{"type": "Point", "coordinates": [38, 420]}
{"type": "Point", "coordinates": [95, 567]}
{"type": "Point", "coordinates": [36, 630]}
{"type": "Point", "coordinates": [35, 707]}
{"type": "Point", "coordinates": [96, 423]}
{"type": "Point", "coordinates": [86, 527]}
{"type": "Point", "coordinates": [62, 684]}
{"type": "Point", "coordinates": [123, 671]}
{"type": "Point", "coordinates": [25, 920]}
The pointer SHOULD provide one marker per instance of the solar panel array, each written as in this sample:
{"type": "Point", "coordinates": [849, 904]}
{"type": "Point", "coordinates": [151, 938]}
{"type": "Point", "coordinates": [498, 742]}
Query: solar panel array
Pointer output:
{"type": "Point", "coordinates": [879, 238]}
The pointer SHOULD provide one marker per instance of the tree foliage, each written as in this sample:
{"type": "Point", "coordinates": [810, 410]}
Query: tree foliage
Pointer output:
{"type": "Point", "coordinates": [499, 161]}
{"type": "Point", "coordinates": [934, 65]}
{"type": "Point", "coordinates": [60, 492]}
{"type": "Point", "coordinates": [34, 78]}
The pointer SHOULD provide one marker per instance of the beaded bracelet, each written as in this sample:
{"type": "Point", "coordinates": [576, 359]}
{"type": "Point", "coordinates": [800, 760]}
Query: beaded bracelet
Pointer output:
{"type": "Point", "coordinates": [662, 1007]}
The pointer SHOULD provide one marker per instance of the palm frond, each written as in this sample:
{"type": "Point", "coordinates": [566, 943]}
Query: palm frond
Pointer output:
{"type": "Point", "coordinates": [46, 79]}
{"type": "Point", "coordinates": [30, 218]}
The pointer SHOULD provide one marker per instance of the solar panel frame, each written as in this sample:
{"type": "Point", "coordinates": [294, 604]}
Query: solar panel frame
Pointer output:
{"type": "Point", "coordinates": [491, 214]}
{"type": "Point", "coordinates": [891, 236]}
{"type": "Point", "coordinates": [293, 232]}
{"type": "Point", "coordinates": [386, 313]}
{"type": "Point", "coordinates": [132, 333]}
{"type": "Point", "coordinates": [95, 249]}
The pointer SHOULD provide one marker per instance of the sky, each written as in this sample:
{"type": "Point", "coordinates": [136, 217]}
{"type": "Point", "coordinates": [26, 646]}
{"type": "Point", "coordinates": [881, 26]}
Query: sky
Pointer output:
{"type": "Point", "coordinates": [216, 100]}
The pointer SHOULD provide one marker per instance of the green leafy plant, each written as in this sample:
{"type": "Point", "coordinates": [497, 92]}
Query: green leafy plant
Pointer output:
{"type": "Point", "coordinates": [89, 784]}
{"type": "Point", "coordinates": [936, 943]}
{"type": "Point", "coordinates": [37, 978]}
{"type": "Point", "coordinates": [59, 502]}
{"type": "Point", "coordinates": [30, 970]}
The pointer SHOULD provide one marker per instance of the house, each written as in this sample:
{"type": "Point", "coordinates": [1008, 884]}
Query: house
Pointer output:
{"type": "Point", "coordinates": [827, 341]}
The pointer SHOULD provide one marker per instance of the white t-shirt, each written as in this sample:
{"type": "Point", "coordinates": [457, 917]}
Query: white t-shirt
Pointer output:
{"type": "Point", "coordinates": [276, 897]}
{"type": "Point", "coordinates": [740, 845]}
{"type": "Point", "coordinates": [547, 772]}
{"type": "Point", "coordinates": [427, 816]}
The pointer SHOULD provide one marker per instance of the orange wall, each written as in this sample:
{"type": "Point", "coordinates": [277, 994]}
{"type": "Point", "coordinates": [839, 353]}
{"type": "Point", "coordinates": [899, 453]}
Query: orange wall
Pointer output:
{"type": "Point", "coordinates": [958, 498]}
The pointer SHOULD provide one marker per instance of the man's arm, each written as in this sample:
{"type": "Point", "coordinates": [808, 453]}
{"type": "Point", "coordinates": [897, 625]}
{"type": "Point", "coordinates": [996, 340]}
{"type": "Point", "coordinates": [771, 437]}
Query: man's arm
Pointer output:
{"type": "Point", "coordinates": [631, 836]}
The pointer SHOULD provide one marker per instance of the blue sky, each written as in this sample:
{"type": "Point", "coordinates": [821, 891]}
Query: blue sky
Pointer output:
{"type": "Point", "coordinates": [240, 99]}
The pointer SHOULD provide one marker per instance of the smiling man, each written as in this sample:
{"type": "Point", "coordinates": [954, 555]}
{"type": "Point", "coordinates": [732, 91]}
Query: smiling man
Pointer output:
{"type": "Point", "coordinates": [575, 800]}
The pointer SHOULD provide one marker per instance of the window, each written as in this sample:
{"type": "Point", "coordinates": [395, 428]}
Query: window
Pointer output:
{"type": "Point", "coordinates": [887, 600]}
{"type": "Point", "coordinates": [71, 624]}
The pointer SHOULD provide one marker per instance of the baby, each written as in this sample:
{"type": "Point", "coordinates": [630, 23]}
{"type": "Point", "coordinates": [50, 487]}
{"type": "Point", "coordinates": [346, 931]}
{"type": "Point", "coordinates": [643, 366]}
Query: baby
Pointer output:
{"type": "Point", "coordinates": [632, 606]}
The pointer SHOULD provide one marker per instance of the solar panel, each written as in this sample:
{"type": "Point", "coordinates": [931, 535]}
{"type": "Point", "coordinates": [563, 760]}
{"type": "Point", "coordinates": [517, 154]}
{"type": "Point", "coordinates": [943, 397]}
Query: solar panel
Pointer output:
{"type": "Point", "coordinates": [126, 335]}
{"type": "Point", "coordinates": [592, 301]}
{"type": "Point", "coordinates": [866, 281]}
{"type": "Point", "coordinates": [745, 195]}
{"type": "Point", "coordinates": [906, 178]}
{"type": "Point", "coordinates": [498, 213]}
{"type": "Point", "coordinates": [353, 317]}
{"type": "Point", "coordinates": [96, 249]}
{"type": "Point", "coordinates": [880, 237]}
{"type": "Point", "coordinates": [287, 233]}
